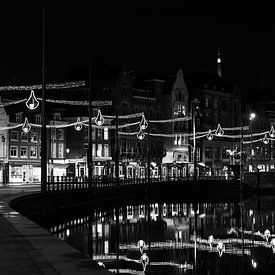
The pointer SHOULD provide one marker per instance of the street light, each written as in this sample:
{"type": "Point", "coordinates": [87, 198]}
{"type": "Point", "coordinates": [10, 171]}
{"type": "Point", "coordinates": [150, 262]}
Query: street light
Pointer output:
{"type": "Point", "coordinates": [195, 106]}
{"type": "Point", "coordinates": [252, 116]}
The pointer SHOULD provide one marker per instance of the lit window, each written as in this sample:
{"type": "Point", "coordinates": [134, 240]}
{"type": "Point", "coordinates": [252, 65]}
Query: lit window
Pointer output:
{"type": "Point", "coordinates": [60, 134]}
{"type": "Point", "coordinates": [99, 150]}
{"type": "Point", "coordinates": [106, 136]}
{"type": "Point", "coordinates": [24, 152]}
{"type": "Point", "coordinates": [53, 134]}
{"type": "Point", "coordinates": [13, 151]}
{"type": "Point", "coordinates": [34, 137]}
{"type": "Point", "coordinates": [53, 150]}
{"type": "Point", "coordinates": [175, 140]}
{"type": "Point", "coordinates": [60, 150]}
{"type": "Point", "coordinates": [106, 150]}
{"type": "Point", "coordinates": [33, 152]}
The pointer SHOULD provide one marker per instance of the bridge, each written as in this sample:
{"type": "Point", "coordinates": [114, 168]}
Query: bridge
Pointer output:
{"type": "Point", "coordinates": [60, 184]}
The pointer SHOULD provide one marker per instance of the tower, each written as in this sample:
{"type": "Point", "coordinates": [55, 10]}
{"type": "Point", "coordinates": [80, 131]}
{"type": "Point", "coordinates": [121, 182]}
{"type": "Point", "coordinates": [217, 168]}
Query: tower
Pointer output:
{"type": "Point", "coordinates": [219, 64]}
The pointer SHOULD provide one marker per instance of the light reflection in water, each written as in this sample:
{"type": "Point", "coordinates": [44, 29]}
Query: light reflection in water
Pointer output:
{"type": "Point", "coordinates": [178, 238]}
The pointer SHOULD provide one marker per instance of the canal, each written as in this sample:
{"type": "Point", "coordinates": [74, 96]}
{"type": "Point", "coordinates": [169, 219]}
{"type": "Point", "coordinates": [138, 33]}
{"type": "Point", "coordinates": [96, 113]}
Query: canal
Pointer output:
{"type": "Point", "coordinates": [173, 237]}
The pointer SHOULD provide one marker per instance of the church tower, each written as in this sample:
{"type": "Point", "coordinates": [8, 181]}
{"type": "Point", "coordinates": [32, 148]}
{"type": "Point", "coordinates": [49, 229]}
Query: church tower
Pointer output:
{"type": "Point", "coordinates": [219, 64]}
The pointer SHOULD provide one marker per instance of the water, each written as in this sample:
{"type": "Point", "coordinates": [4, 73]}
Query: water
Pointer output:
{"type": "Point", "coordinates": [176, 238]}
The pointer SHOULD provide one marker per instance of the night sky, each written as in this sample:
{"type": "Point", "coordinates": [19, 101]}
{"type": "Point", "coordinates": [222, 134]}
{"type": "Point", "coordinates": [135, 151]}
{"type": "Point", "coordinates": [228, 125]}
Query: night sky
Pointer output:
{"type": "Point", "coordinates": [149, 36]}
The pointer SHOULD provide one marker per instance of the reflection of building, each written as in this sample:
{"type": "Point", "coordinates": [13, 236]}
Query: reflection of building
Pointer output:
{"type": "Point", "coordinates": [3, 146]}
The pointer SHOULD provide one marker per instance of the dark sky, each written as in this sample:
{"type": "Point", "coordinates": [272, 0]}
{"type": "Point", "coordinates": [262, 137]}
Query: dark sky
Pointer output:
{"type": "Point", "coordinates": [150, 36]}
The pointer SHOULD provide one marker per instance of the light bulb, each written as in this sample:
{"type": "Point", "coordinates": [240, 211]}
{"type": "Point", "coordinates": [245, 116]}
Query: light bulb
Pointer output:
{"type": "Point", "coordinates": [141, 245]}
{"type": "Point", "coordinates": [209, 135]}
{"type": "Point", "coordinates": [78, 125]}
{"type": "Point", "coordinates": [26, 126]}
{"type": "Point", "coordinates": [32, 102]}
{"type": "Point", "coordinates": [220, 248]}
{"type": "Point", "coordinates": [272, 132]}
{"type": "Point", "coordinates": [140, 134]}
{"type": "Point", "coordinates": [219, 131]}
{"type": "Point", "coordinates": [99, 120]}
{"type": "Point", "coordinates": [265, 139]}
{"type": "Point", "coordinates": [143, 123]}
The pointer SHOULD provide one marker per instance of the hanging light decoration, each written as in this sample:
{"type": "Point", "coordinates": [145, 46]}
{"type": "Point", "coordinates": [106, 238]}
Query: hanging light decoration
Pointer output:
{"type": "Point", "coordinates": [141, 245]}
{"type": "Point", "coordinates": [219, 131]}
{"type": "Point", "coordinates": [78, 125]}
{"type": "Point", "coordinates": [209, 135]}
{"type": "Point", "coordinates": [32, 102]}
{"type": "Point", "coordinates": [144, 260]}
{"type": "Point", "coordinates": [140, 134]}
{"type": "Point", "coordinates": [265, 139]}
{"type": "Point", "coordinates": [272, 132]}
{"type": "Point", "coordinates": [267, 234]}
{"type": "Point", "coordinates": [26, 126]}
{"type": "Point", "coordinates": [210, 240]}
{"type": "Point", "coordinates": [220, 248]}
{"type": "Point", "coordinates": [99, 120]}
{"type": "Point", "coordinates": [272, 244]}
{"type": "Point", "coordinates": [143, 123]}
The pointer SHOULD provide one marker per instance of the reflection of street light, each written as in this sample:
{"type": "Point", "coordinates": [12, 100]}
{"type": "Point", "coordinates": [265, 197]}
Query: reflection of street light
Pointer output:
{"type": "Point", "coordinates": [252, 116]}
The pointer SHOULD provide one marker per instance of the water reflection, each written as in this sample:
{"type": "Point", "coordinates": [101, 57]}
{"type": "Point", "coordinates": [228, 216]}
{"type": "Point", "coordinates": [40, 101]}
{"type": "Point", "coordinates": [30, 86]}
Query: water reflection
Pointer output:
{"type": "Point", "coordinates": [179, 238]}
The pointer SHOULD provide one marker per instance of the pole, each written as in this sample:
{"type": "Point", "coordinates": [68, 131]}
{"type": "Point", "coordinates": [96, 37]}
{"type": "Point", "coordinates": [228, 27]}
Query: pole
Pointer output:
{"type": "Point", "coordinates": [194, 140]}
{"type": "Point", "coordinates": [241, 157]}
{"type": "Point", "coordinates": [90, 140]}
{"type": "Point", "coordinates": [44, 119]}
{"type": "Point", "coordinates": [116, 141]}
{"type": "Point", "coordinates": [251, 151]}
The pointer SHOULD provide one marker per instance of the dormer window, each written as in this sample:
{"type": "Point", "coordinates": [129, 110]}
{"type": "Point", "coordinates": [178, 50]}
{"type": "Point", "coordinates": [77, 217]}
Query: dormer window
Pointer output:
{"type": "Point", "coordinates": [18, 117]}
{"type": "Point", "coordinates": [57, 116]}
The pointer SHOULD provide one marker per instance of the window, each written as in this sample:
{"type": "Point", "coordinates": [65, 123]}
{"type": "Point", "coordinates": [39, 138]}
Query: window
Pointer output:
{"type": "Point", "coordinates": [99, 150]}
{"type": "Point", "coordinates": [53, 134]}
{"type": "Point", "coordinates": [207, 102]}
{"type": "Point", "coordinates": [18, 117]}
{"type": "Point", "coordinates": [38, 119]}
{"type": "Point", "coordinates": [33, 152]}
{"type": "Point", "coordinates": [215, 118]}
{"type": "Point", "coordinates": [225, 105]}
{"type": "Point", "coordinates": [179, 95]}
{"type": "Point", "coordinates": [24, 152]}
{"type": "Point", "coordinates": [53, 150]}
{"type": "Point", "coordinates": [93, 134]}
{"type": "Point", "coordinates": [106, 134]}
{"type": "Point", "coordinates": [215, 102]}
{"type": "Point", "coordinates": [99, 133]}
{"type": "Point", "coordinates": [208, 152]}
{"type": "Point", "coordinates": [60, 134]}
{"type": "Point", "coordinates": [24, 136]}
{"type": "Point", "coordinates": [93, 150]}
{"type": "Point", "coordinates": [60, 150]}
{"type": "Point", "coordinates": [34, 137]}
{"type": "Point", "coordinates": [57, 116]}
{"type": "Point", "coordinates": [14, 135]}
{"type": "Point", "coordinates": [106, 150]}
{"type": "Point", "coordinates": [14, 151]}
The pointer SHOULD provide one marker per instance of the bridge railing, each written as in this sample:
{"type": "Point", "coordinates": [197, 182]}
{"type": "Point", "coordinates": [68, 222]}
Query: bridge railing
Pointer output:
{"type": "Point", "coordinates": [64, 183]}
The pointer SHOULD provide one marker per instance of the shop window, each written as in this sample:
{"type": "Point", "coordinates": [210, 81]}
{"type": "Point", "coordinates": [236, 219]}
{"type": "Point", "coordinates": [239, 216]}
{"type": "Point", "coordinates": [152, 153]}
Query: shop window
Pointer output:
{"type": "Point", "coordinates": [99, 150]}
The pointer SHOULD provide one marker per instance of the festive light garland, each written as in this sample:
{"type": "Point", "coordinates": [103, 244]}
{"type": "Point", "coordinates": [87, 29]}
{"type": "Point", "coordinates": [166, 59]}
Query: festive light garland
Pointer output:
{"type": "Point", "coordinates": [3, 104]}
{"type": "Point", "coordinates": [97, 103]}
{"type": "Point", "coordinates": [64, 85]}
{"type": "Point", "coordinates": [186, 118]}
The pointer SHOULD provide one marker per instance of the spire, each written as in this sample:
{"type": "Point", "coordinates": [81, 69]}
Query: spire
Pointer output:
{"type": "Point", "coordinates": [219, 63]}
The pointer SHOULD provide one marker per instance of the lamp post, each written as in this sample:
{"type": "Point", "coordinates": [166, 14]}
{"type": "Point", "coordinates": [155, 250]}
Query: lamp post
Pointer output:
{"type": "Point", "coordinates": [195, 106]}
{"type": "Point", "coordinates": [252, 116]}
{"type": "Point", "coordinates": [44, 119]}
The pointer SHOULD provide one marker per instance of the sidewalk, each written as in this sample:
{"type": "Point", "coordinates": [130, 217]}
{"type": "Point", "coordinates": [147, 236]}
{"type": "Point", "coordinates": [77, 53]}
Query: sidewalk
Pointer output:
{"type": "Point", "coordinates": [26, 248]}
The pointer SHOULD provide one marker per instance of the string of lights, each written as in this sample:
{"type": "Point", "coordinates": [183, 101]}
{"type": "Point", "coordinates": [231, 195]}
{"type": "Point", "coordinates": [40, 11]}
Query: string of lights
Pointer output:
{"type": "Point", "coordinates": [50, 86]}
